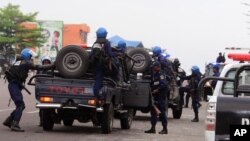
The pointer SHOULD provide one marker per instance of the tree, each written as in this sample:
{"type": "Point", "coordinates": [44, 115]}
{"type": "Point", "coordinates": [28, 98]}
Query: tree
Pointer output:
{"type": "Point", "coordinates": [14, 36]}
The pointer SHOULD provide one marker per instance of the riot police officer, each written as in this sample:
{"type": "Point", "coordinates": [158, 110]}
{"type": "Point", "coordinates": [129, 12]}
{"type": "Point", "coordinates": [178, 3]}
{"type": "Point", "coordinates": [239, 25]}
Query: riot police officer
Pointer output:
{"type": "Point", "coordinates": [216, 71]}
{"type": "Point", "coordinates": [159, 91]}
{"type": "Point", "coordinates": [101, 57]}
{"type": "Point", "coordinates": [16, 76]}
{"type": "Point", "coordinates": [166, 66]}
{"type": "Point", "coordinates": [194, 80]}
{"type": "Point", "coordinates": [120, 52]}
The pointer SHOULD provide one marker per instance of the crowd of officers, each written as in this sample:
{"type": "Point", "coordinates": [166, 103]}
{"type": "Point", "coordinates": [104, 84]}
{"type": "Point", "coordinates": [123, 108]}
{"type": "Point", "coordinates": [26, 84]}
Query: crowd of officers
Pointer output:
{"type": "Point", "coordinates": [163, 73]}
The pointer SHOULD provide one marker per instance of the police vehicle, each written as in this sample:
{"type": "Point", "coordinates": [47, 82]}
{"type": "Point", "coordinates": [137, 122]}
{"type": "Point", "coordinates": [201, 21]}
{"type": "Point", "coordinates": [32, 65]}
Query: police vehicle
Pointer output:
{"type": "Point", "coordinates": [66, 94]}
{"type": "Point", "coordinates": [230, 103]}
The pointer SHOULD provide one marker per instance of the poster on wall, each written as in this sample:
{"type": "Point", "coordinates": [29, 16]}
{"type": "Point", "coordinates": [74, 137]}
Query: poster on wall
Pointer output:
{"type": "Point", "coordinates": [52, 30]}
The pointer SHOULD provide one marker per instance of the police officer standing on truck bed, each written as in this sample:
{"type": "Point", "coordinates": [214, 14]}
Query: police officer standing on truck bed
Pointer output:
{"type": "Point", "coordinates": [101, 56]}
{"type": "Point", "coordinates": [159, 91]}
{"type": "Point", "coordinates": [16, 76]}
{"type": "Point", "coordinates": [194, 80]}
{"type": "Point", "coordinates": [120, 52]}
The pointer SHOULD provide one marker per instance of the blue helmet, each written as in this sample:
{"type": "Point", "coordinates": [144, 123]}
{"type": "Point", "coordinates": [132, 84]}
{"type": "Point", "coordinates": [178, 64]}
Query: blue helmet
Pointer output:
{"type": "Point", "coordinates": [156, 50]}
{"type": "Point", "coordinates": [101, 32]}
{"type": "Point", "coordinates": [26, 54]}
{"type": "Point", "coordinates": [122, 45]}
{"type": "Point", "coordinates": [195, 70]}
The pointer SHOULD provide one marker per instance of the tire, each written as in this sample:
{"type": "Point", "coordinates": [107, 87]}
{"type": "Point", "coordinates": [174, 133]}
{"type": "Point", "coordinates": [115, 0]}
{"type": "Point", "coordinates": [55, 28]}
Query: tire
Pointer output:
{"type": "Point", "coordinates": [68, 122]}
{"type": "Point", "coordinates": [127, 122]}
{"type": "Point", "coordinates": [72, 61]}
{"type": "Point", "coordinates": [143, 58]}
{"type": "Point", "coordinates": [177, 111]}
{"type": "Point", "coordinates": [108, 117]}
{"type": "Point", "coordinates": [47, 121]}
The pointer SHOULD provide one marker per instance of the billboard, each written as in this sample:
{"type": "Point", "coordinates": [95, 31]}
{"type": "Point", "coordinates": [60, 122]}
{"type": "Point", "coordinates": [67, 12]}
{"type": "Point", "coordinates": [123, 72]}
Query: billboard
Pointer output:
{"type": "Point", "coordinates": [52, 30]}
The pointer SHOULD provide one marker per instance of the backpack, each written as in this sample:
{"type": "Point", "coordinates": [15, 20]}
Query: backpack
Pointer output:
{"type": "Point", "coordinates": [98, 54]}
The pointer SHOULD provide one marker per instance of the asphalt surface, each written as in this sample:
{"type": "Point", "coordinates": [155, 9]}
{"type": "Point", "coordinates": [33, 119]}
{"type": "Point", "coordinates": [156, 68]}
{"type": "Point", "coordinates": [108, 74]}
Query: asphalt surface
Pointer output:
{"type": "Point", "coordinates": [179, 129]}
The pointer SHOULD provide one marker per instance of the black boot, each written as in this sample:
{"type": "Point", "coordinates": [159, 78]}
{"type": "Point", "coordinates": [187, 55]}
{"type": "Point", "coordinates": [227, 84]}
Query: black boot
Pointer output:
{"type": "Point", "coordinates": [151, 131]}
{"type": "Point", "coordinates": [16, 127]}
{"type": "Point", "coordinates": [164, 131]}
{"type": "Point", "coordinates": [196, 118]}
{"type": "Point", "coordinates": [8, 122]}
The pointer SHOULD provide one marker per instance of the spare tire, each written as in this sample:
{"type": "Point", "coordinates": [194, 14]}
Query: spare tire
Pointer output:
{"type": "Point", "coordinates": [72, 61]}
{"type": "Point", "coordinates": [141, 56]}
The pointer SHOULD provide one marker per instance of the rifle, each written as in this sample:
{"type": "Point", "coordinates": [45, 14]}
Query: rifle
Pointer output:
{"type": "Point", "coordinates": [7, 73]}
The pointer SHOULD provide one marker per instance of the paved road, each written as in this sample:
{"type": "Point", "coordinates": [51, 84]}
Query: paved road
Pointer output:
{"type": "Point", "coordinates": [179, 130]}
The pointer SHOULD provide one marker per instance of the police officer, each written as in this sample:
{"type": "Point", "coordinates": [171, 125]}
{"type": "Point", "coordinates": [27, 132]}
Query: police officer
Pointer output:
{"type": "Point", "coordinates": [16, 77]}
{"type": "Point", "coordinates": [45, 60]}
{"type": "Point", "coordinates": [194, 80]}
{"type": "Point", "coordinates": [120, 52]}
{"type": "Point", "coordinates": [220, 58]}
{"type": "Point", "coordinates": [166, 66]}
{"type": "Point", "coordinates": [101, 56]}
{"type": "Point", "coordinates": [216, 71]}
{"type": "Point", "coordinates": [159, 90]}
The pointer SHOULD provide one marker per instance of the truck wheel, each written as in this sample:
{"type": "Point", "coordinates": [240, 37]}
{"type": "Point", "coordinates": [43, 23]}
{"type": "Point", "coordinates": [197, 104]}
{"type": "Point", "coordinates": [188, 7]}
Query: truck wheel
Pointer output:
{"type": "Point", "coordinates": [47, 120]}
{"type": "Point", "coordinates": [127, 122]}
{"type": "Point", "coordinates": [143, 58]}
{"type": "Point", "coordinates": [68, 122]}
{"type": "Point", "coordinates": [72, 61]}
{"type": "Point", "coordinates": [177, 111]}
{"type": "Point", "coordinates": [108, 117]}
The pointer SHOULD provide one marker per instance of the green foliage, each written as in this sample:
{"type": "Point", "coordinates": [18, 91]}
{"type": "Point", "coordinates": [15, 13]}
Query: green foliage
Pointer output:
{"type": "Point", "coordinates": [13, 34]}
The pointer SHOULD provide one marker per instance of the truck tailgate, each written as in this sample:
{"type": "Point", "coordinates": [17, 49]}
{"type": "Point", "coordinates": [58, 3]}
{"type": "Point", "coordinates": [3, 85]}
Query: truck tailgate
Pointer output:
{"type": "Point", "coordinates": [63, 90]}
{"type": "Point", "coordinates": [231, 111]}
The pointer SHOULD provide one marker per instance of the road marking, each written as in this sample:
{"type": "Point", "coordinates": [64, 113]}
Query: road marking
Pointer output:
{"type": "Point", "coordinates": [32, 112]}
{"type": "Point", "coordinates": [3, 110]}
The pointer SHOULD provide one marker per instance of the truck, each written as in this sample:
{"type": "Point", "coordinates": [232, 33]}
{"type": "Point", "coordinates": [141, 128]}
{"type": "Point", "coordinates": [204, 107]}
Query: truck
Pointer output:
{"type": "Point", "coordinates": [173, 100]}
{"type": "Point", "coordinates": [66, 94]}
{"type": "Point", "coordinates": [230, 103]}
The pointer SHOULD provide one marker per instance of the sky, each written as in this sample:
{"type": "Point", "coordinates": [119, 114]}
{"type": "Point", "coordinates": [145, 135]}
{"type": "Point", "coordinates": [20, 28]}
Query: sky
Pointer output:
{"type": "Point", "coordinates": [194, 31]}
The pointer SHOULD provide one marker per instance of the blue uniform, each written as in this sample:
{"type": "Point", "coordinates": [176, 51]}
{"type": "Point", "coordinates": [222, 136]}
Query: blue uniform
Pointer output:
{"type": "Point", "coordinates": [18, 74]}
{"type": "Point", "coordinates": [159, 84]}
{"type": "Point", "coordinates": [193, 89]}
{"type": "Point", "coordinates": [101, 66]}
{"type": "Point", "coordinates": [166, 66]}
